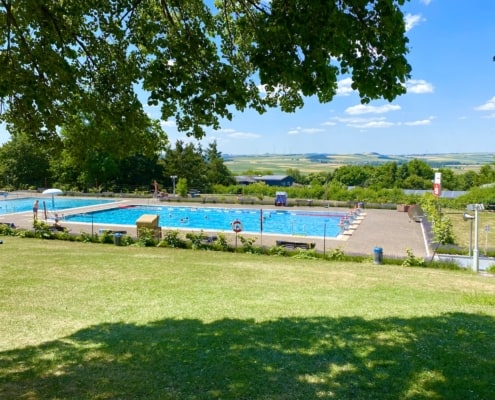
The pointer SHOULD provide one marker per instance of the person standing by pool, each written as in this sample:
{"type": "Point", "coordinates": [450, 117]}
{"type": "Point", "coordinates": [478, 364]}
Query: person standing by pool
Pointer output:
{"type": "Point", "coordinates": [35, 209]}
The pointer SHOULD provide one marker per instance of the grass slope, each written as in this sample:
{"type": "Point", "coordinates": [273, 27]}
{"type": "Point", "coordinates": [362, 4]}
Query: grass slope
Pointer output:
{"type": "Point", "coordinates": [90, 321]}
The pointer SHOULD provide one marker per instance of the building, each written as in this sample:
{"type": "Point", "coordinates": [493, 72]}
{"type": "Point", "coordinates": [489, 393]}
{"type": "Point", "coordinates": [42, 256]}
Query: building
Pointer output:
{"type": "Point", "coordinates": [270, 180]}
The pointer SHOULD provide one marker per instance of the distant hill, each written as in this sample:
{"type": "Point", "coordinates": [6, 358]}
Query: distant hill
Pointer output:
{"type": "Point", "coordinates": [316, 162]}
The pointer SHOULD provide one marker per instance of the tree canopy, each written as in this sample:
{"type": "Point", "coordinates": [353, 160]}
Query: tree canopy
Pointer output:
{"type": "Point", "coordinates": [197, 60]}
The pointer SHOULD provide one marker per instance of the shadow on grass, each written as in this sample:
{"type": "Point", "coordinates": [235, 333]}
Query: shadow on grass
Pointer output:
{"type": "Point", "coordinates": [447, 357]}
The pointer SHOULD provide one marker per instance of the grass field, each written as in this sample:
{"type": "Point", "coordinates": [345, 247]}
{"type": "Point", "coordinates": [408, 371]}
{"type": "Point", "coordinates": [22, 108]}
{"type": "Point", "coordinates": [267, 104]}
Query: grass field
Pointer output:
{"type": "Point", "coordinates": [93, 321]}
{"type": "Point", "coordinates": [463, 230]}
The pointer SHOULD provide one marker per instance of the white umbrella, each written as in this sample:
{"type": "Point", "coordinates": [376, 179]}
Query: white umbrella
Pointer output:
{"type": "Point", "coordinates": [53, 192]}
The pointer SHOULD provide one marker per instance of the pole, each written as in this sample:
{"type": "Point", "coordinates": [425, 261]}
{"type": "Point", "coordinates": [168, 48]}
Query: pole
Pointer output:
{"type": "Point", "coordinates": [470, 237]}
{"type": "Point", "coordinates": [174, 177]}
{"type": "Point", "coordinates": [324, 238]}
{"type": "Point", "coordinates": [476, 257]}
{"type": "Point", "coordinates": [261, 225]}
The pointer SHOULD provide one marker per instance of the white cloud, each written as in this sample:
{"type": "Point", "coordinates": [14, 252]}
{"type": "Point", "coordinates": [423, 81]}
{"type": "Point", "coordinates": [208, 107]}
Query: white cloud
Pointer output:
{"type": "Point", "coordinates": [372, 124]}
{"type": "Point", "coordinates": [421, 122]}
{"type": "Point", "coordinates": [412, 21]}
{"type": "Point", "coordinates": [344, 87]}
{"type": "Point", "coordinates": [310, 131]}
{"type": "Point", "coordinates": [426, 2]}
{"type": "Point", "coordinates": [419, 86]}
{"type": "Point", "coordinates": [232, 133]}
{"type": "Point", "coordinates": [488, 106]}
{"type": "Point", "coordinates": [365, 123]}
{"type": "Point", "coordinates": [367, 109]}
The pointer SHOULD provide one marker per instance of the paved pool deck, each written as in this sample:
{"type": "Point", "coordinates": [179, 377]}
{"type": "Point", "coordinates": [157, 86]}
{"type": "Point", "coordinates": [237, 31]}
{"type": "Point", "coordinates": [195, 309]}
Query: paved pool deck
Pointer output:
{"type": "Point", "coordinates": [390, 230]}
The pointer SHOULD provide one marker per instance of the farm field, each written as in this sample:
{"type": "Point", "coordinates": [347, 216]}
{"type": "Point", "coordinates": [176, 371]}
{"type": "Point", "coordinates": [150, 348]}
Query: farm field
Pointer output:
{"type": "Point", "coordinates": [307, 163]}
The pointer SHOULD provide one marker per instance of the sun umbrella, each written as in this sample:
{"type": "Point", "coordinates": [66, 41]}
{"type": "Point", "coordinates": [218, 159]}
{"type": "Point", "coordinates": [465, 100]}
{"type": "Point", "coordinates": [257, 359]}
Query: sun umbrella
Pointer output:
{"type": "Point", "coordinates": [53, 192]}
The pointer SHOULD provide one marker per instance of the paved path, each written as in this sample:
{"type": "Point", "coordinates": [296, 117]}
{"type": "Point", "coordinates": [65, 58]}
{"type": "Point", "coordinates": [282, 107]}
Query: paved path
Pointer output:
{"type": "Point", "coordinates": [393, 231]}
{"type": "Point", "coordinates": [389, 229]}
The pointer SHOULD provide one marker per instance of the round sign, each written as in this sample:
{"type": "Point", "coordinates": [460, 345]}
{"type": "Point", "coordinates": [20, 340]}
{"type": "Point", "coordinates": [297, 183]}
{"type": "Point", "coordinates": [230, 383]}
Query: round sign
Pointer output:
{"type": "Point", "coordinates": [237, 226]}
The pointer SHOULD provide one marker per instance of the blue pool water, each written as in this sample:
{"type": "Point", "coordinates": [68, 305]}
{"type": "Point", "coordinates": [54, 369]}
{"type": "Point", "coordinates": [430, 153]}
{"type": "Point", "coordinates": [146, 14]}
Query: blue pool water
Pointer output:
{"type": "Point", "coordinates": [8, 206]}
{"type": "Point", "coordinates": [270, 221]}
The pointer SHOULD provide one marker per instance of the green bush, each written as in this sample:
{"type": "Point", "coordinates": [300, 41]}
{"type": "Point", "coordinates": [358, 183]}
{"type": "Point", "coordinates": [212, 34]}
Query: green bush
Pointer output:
{"type": "Point", "coordinates": [278, 251]}
{"type": "Point", "coordinates": [198, 240]}
{"type": "Point", "coordinates": [106, 237]}
{"type": "Point", "coordinates": [172, 239]}
{"type": "Point", "coordinates": [413, 261]}
{"type": "Point", "coordinates": [7, 230]}
{"type": "Point", "coordinates": [335, 254]}
{"type": "Point", "coordinates": [221, 243]}
{"type": "Point", "coordinates": [42, 230]}
{"type": "Point", "coordinates": [146, 237]}
{"type": "Point", "coordinates": [306, 254]}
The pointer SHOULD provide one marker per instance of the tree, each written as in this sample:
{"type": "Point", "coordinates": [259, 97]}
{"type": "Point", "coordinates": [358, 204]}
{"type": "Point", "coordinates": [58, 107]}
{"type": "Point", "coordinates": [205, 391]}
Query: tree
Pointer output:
{"type": "Point", "coordinates": [217, 172]}
{"type": "Point", "coordinates": [197, 61]}
{"type": "Point", "coordinates": [97, 145]}
{"type": "Point", "coordinates": [185, 161]}
{"type": "Point", "coordinates": [24, 163]}
{"type": "Point", "coordinates": [384, 176]}
{"type": "Point", "coordinates": [352, 175]}
{"type": "Point", "coordinates": [486, 174]}
{"type": "Point", "coordinates": [182, 187]}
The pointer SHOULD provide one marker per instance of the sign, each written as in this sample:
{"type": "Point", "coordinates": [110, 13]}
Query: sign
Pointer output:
{"type": "Point", "coordinates": [437, 184]}
{"type": "Point", "coordinates": [237, 226]}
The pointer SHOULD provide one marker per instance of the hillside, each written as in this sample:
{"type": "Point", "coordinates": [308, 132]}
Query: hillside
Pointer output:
{"type": "Point", "coordinates": [316, 162]}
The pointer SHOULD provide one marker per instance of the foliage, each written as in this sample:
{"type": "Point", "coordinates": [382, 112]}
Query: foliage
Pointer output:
{"type": "Point", "coordinates": [42, 229]}
{"type": "Point", "coordinates": [7, 230]}
{"type": "Point", "coordinates": [221, 243]}
{"type": "Point", "coordinates": [106, 237]}
{"type": "Point", "coordinates": [197, 61]}
{"type": "Point", "coordinates": [412, 261]}
{"type": "Point", "coordinates": [24, 163]}
{"type": "Point", "coordinates": [280, 251]}
{"type": "Point", "coordinates": [310, 254]}
{"type": "Point", "coordinates": [441, 224]}
{"type": "Point", "coordinates": [88, 238]}
{"type": "Point", "coordinates": [248, 245]}
{"type": "Point", "coordinates": [336, 254]}
{"type": "Point", "coordinates": [146, 237]}
{"type": "Point", "coordinates": [172, 239]}
{"type": "Point", "coordinates": [182, 187]}
{"type": "Point", "coordinates": [198, 240]}
{"type": "Point", "coordinates": [484, 195]}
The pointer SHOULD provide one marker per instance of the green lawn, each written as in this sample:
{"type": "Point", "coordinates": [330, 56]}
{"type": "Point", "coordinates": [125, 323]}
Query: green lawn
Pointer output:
{"type": "Point", "coordinates": [93, 321]}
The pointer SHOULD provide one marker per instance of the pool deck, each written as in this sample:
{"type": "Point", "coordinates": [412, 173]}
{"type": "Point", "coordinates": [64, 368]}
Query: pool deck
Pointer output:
{"type": "Point", "coordinates": [390, 230]}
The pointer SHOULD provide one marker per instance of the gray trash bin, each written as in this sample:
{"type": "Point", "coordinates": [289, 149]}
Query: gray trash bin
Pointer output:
{"type": "Point", "coordinates": [378, 255]}
{"type": "Point", "coordinates": [117, 239]}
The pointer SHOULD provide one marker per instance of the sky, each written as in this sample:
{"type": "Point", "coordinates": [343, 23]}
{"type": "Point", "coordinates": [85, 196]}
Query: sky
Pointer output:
{"type": "Point", "coordinates": [449, 106]}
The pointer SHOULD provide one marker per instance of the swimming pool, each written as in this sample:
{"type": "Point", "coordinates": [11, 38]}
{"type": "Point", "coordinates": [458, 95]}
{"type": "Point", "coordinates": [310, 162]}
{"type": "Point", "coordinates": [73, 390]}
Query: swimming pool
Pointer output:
{"type": "Point", "coordinates": [9, 206]}
{"type": "Point", "coordinates": [269, 221]}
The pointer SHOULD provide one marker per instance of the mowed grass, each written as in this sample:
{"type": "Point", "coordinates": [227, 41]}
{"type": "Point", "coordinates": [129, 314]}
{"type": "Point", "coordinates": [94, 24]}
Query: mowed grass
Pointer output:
{"type": "Point", "coordinates": [92, 321]}
{"type": "Point", "coordinates": [462, 229]}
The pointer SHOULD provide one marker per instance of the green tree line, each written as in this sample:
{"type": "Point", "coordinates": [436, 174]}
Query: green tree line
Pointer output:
{"type": "Point", "coordinates": [25, 164]}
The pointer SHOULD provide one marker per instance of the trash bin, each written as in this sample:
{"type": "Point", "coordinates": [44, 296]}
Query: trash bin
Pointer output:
{"type": "Point", "coordinates": [377, 255]}
{"type": "Point", "coordinates": [117, 239]}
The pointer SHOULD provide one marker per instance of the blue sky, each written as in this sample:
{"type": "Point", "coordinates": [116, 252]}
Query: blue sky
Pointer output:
{"type": "Point", "coordinates": [449, 107]}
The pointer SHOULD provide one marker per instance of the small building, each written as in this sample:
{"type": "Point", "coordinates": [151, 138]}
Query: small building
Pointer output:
{"type": "Point", "coordinates": [270, 180]}
{"type": "Point", "coordinates": [275, 180]}
{"type": "Point", "coordinates": [244, 180]}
